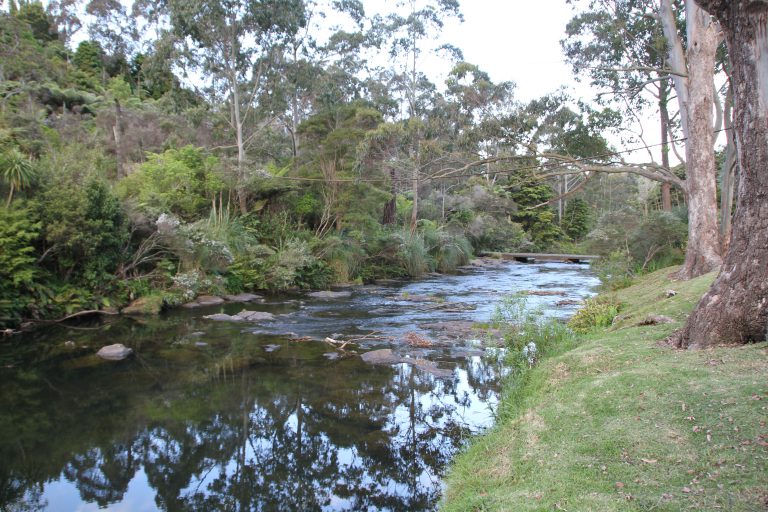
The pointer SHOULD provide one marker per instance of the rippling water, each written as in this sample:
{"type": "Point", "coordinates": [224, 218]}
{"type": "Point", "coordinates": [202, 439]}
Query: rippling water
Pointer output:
{"type": "Point", "coordinates": [231, 416]}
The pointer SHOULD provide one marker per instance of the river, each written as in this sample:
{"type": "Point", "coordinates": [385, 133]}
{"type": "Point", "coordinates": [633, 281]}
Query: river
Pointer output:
{"type": "Point", "coordinates": [209, 415]}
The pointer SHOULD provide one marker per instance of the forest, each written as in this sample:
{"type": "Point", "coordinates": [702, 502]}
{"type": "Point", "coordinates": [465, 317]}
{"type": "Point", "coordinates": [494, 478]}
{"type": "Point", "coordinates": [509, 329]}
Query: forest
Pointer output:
{"type": "Point", "coordinates": [155, 152]}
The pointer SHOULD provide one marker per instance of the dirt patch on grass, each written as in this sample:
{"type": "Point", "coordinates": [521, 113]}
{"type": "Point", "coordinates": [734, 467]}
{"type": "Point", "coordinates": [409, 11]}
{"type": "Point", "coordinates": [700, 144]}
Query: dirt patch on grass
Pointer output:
{"type": "Point", "coordinates": [560, 373]}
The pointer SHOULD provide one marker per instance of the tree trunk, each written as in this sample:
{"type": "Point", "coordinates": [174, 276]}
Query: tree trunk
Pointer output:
{"type": "Point", "coordinates": [736, 307]}
{"type": "Point", "coordinates": [727, 174]}
{"type": "Point", "coordinates": [117, 130]}
{"type": "Point", "coordinates": [666, 188]}
{"type": "Point", "coordinates": [695, 91]}
{"type": "Point", "coordinates": [390, 207]}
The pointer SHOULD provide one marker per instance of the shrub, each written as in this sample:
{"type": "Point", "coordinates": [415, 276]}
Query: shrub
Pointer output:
{"type": "Point", "coordinates": [522, 326]}
{"type": "Point", "coordinates": [594, 313]}
{"type": "Point", "coordinates": [178, 181]}
{"type": "Point", "coordinates": [616, 271]}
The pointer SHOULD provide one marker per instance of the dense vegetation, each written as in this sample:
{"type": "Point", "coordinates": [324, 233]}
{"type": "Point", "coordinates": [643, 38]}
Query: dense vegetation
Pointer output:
{"type": "Point", "coordinates": [120, 182]}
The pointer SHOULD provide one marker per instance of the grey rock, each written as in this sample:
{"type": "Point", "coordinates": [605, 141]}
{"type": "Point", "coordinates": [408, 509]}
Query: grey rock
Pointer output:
{"type": "Point", "coordinates": [243, 316]}
{"type": "Point", "coordinates": [670, 293]}
{"type": "Point", "coordinates": [330, 295]}
{"type": "Point", "coordinates": [331, 356]}
{"type": "Point", "coordinates": [242, 297]}
{"type": "Point", "coordinates": [201, 344]}
{"type": "Point", "coordinates": [254, 316]}
{"type": "Point", "coordinates": [209, 300]}
{"type": "Point", "coordinates": [116, 352]}
{"type": "Point", "coordinates": [271, 348]}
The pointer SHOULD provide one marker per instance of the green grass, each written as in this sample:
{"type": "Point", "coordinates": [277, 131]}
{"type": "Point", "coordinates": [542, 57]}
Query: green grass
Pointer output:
{"type": "Point", "coordinates": [622, 422]}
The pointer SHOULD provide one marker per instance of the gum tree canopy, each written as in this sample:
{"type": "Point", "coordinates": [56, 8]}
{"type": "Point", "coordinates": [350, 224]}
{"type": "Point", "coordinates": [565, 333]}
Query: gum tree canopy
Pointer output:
{"type": "Point", "coordinates": [736, 307]}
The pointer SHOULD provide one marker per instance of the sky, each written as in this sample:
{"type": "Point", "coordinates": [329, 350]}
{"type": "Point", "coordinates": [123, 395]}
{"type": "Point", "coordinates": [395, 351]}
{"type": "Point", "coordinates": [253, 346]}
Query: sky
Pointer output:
{"type": "Point", "coordinates": [516, 40]}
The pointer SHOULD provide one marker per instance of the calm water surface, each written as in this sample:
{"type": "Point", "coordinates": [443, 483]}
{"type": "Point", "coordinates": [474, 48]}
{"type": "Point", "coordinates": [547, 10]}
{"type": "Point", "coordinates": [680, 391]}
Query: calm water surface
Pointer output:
{"type": "Point", "coordinates": [231, 416]}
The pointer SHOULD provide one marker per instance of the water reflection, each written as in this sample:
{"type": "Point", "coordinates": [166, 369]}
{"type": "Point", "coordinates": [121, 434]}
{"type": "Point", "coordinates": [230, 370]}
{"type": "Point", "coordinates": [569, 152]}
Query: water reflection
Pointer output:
{"type": "Point", "coordinates": [204, 418]}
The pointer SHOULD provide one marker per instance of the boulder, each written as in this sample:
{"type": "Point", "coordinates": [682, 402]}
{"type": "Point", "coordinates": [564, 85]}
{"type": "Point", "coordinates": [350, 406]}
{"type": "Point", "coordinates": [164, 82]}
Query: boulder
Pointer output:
{"type": "Point", "coordinates": [254, 316]}
{"type": "Point", "coordinates": [151, 305]}
{"type": "Point", "coordinates": [209, 300]}
{"type": "Point", "coordinates": [116, 352]}
{"type": "Point", "coordinates": [243, 316]}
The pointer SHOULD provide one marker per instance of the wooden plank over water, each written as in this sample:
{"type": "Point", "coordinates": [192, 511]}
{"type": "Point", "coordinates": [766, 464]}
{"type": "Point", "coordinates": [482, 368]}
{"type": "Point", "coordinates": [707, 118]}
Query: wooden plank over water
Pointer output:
{"type": "Point", "coordinates": [533, 257]}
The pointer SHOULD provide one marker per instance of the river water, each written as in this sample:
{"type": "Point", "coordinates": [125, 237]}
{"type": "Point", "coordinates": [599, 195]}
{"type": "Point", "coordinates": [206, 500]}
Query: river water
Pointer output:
{"type": "Point", "coordinates": [260, 416]}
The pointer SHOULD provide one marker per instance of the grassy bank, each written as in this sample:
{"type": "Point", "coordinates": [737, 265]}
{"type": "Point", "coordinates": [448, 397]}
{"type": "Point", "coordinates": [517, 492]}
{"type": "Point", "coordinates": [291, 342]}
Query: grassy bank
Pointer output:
{"type": "Point", "coordinates": [621, 422]}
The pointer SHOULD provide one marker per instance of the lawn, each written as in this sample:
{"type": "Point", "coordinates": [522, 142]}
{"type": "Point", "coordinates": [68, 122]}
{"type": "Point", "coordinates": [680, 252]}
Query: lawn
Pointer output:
{"type": "Point", "coordinates": [624, 422]}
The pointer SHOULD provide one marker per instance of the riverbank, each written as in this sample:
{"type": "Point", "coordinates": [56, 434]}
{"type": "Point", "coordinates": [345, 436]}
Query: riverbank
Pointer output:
{"type": "Point", "coordinates": [623, 422]}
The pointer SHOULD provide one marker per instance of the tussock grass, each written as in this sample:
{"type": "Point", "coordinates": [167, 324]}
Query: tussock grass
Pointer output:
{"type": "Point", "coordinates": [621, 422]}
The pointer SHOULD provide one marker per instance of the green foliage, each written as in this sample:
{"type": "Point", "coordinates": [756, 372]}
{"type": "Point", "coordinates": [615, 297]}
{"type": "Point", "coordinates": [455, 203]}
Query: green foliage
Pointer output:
{"type": "Point", "coordinates": [178, 181]}
{"type": "Point", "coordinates": [89, 58]}
{"type": "Point", "coordinates": [647, 240]}
{"type": "Point", "coordinates": [537, 221]}
{"type": "Point", "coordinates": [17, 171]}
{"type": "Point", "coordinates": [19, 229]}
{"type": "Point", "coordinates": [594, 313]}
{"type": "Point", "coordinates": [84, 230]}
{"type": "Point", "coordinates": [576, 219]}
{"type": "Point", "coordinates": [616, 270]}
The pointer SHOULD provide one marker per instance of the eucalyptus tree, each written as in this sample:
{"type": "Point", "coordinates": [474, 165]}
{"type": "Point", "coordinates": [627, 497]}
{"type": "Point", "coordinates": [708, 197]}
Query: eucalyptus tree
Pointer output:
{"type": "Point", "coordinates": [620, 46]}
{"type": "Point", "coordinates": [692, 70]}
{"type": "Point", "coordinates": [736, 307]}
{"type": "Point", "coordinates": [232, 44]}
{"type": "Point", "coordinates": [691, 49]}
{"type": "Point", "coordinates": [407, 29]}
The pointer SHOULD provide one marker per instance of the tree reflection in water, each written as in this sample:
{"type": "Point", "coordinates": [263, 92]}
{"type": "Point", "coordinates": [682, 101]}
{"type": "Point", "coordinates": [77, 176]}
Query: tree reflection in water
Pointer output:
{"type": "Point", "coordinates": [289, 431]}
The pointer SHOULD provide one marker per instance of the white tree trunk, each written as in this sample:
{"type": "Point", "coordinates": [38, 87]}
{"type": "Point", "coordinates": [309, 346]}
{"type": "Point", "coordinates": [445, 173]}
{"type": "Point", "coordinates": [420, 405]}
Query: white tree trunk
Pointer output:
{"type": "Point", "coordinates": [692, 77]}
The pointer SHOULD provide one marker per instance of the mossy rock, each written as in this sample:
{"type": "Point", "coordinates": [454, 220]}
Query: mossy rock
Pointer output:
{"type": "Point", "coordinates": [149, 305]}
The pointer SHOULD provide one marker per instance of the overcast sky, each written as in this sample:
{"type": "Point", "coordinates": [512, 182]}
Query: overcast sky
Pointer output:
{"type": "Point", "coordinates": [515, 40]}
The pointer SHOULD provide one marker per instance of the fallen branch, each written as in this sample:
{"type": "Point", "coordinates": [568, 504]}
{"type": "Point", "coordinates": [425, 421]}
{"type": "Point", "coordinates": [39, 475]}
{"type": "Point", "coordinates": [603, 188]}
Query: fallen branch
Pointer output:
{"type": "Point", "coordinates": [78, 314]}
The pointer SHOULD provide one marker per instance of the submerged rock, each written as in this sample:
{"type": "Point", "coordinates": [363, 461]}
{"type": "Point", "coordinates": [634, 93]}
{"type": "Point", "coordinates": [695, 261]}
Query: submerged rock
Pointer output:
{"type": "Point", "coordinates": [116, 352]}
{"type": "Point", "coordinates": [386, 356]}
{"type": "Point", "coordinates": [330, 295]}
{"type": "Point", "coordinates": [381, 356]}
{"type": "Point", "coordinates": [242, 297]}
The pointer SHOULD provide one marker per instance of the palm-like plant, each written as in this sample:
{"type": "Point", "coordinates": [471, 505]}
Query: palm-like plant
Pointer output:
{"type": "Point", "coordinates": [17, 170]}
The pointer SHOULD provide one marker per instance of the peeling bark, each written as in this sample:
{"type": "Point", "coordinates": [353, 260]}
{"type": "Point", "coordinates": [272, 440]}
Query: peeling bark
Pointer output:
{"type": "Point", "coordinates": [736, 307]}
{"type": "Point", "coordinates": [692, 77]}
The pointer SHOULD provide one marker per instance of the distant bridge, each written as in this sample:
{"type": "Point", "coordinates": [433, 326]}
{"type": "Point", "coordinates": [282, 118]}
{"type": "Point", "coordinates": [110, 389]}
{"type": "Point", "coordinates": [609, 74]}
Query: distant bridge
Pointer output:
{"type": "Point", "coordinates": [532, 257]}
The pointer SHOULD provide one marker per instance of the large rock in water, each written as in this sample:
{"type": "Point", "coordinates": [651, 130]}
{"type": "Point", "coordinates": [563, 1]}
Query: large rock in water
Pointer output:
{"type": "Point", "coordinates": [204, 300]}
{"type": "Point", "coordinates": [243, 316]}
{"type": "Point", "coordinates": [330, 295]}
{"type": "Point", "coordinates": [150, 305]}
{"type": "Point", "coordinates": [116, 352]}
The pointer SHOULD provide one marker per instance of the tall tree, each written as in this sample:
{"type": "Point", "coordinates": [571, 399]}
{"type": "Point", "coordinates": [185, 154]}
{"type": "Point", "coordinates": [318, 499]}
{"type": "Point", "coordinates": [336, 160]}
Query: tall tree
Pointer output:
{"type": "Point", "coordinates": [693, 75]}
{"type": "Point", "coordinates": [408, 31]}
{"type": "Point", "coordinates": [736, 307]}
{"type": "Point", "coordinates": [619, 44]}
{"type": "Point", "coordinates": [232, 43]}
